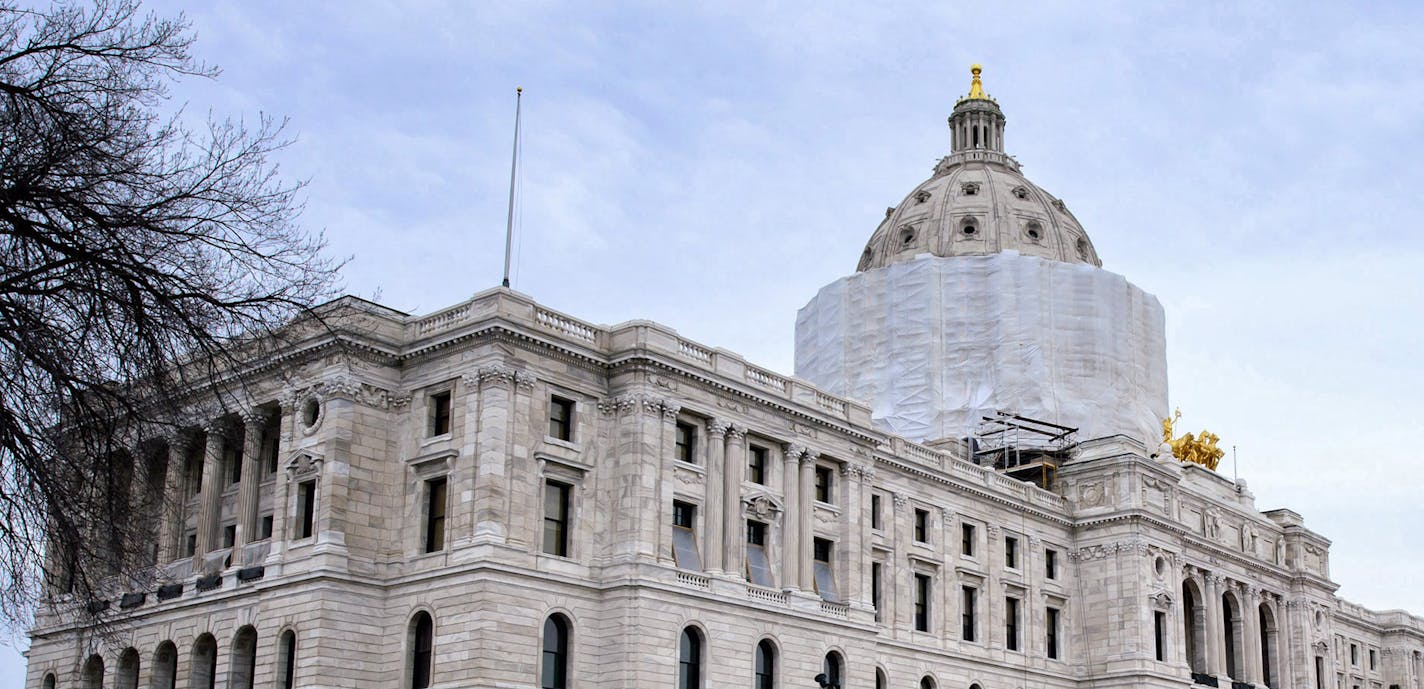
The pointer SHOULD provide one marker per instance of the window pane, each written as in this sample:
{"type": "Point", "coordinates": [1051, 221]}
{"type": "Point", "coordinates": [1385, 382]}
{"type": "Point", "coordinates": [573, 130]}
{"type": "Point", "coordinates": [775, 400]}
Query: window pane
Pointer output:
{"type": "Point", "coordinates": [684, 548]}
{"type": "Point", "coordinates": [825, 582]}
{"type": "Point", "coordinates": [758, 566]}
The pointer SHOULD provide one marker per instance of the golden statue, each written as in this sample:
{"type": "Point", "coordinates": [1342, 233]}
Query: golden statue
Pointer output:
{"type": "Point", "coordinates": [1200, 449]}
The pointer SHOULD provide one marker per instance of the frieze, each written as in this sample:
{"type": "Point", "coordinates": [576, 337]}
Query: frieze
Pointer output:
{"type": "Point", "coordinates": [687, 477]}
{"type": "Point", "coordinates": [732, 405]}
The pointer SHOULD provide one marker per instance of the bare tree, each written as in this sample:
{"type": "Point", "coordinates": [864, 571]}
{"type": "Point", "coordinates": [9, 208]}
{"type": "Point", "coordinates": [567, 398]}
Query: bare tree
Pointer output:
{"type": "Point", "coordinates": [136, 257]}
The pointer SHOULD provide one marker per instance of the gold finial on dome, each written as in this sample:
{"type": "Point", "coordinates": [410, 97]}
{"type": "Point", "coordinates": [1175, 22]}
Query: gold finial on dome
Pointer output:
{"type": "Point", "coordinates": [976, 87]}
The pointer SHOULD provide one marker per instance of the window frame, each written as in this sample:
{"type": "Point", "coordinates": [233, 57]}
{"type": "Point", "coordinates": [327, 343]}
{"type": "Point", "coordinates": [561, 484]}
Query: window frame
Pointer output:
{"type": "Point", "coordinates": [440, 406]}
{"type": "Point", "coordinates": [304, 523]}
{"type": "Point", "coordinates": [685, 442]}
{"type": "Point", "coordinates": [924, 592]}
{"type": "Point", "coordinates": [565, 492]}
{"type": "Point", "coordinates": [684, 519]}
{"type": "Point", "coordinates": [968, 613]}
{"type": "Point", "coordinates": [922, 526]}
{"type": "Point", "coordinates": [824, 485]}
{"type": "Point", "coordinates": [562, 428]}
{"type": "Point", "coordinates": [1013, 609]}
{"type": "Point", "coordinates": [436, 489]}
{"type": "Point", "coordinates": [1011, 552]}
{"type": "Point", "coordinates": [1052, 618]}
{"type": "Point", "coordinates": [756, 541]}
{"type": "Point", "coordinates": [823, 552]}
{"type": "Point", "coordinates": [560, 656]}
{"type": "Point", "coordinates": [757, 462]}
{"type": "Point", "coordinates": [968, 540]}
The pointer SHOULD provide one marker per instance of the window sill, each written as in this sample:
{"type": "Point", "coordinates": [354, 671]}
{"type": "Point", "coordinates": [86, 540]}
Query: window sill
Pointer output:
{"type": "Point", "coordinates": [566, 444]}
{"type": "Point", "coordinates": [431, 440]}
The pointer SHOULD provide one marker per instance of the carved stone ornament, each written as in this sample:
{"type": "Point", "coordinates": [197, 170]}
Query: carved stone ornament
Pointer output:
{"type": "Point", "coordinates": [1321, 648]}
{"type": "Point", "coordinates": [900, 500]}
{"type": "Point", "coordinates": [303, 464]}
{"type": "Point", "coordinates": [762, 508]}
{"type": "Point", "coordinates": [732, 405]}
{"type": "Point", "coordinates": [686, 476]}
{"type": "Point", "coordinates": [737, 433]}
{"type": "Point", "coordinates": [1161, 599]}
{"type": "Point", "coordinates": [670, 409]}
{"type": "Point", "coordinates": [794, 451]}
{"type": "Point", "coordinates": [717, 428]}
{"type": "Point", "coordinates": [1091, 494]}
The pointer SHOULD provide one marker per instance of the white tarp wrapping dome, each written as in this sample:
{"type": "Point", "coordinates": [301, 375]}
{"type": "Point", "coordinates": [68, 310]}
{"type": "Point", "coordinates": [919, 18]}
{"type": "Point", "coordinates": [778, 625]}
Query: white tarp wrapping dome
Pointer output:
{"type": "Point", "coordinates": [934, 343]}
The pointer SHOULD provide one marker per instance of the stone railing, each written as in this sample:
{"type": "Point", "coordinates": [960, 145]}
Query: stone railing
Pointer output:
{"type": "Point", "coordinates": [563, 324]}
{"type": "Point", "coordinates": [831, 404]}
{"type": "Point", "coordinates": [441, 320]}
{"type": "Point", "coordinates": [766, 379]}
{"type": "Point", "coordinates": [696, 581]}
{"type": "Point", "coordinates": [766, 595]}
{"type": "Point", "coordinates": [841, 610]}
{"type": "Point", "coordinates": [695, 352]}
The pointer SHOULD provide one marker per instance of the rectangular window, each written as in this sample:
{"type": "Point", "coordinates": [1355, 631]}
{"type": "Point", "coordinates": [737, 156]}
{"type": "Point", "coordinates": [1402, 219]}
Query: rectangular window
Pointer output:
{"type": "Point", "coordinates": [440, 413]}
{"type": "Point", "coordinates": [875, 511]}
{"type": "Point", "coordinates": [875, 588]}
{"type": "Point", "coordinates": [967, 623]}
{"type": "Point", "coordinates": [561, 418]}
{"type": "Point", "coordinates": [966, 540]}
{"type": "Point", "coordinates": [758, 564]}
{"type": "Point", "coordinates": [556, 518]}
{"type": "Point", "coordinates": [234, 466]}
{"type": "Point", "coordinates": [1050, 639]}
{"type": "Point", "coordinates": [685, 441]}
{"type": "Point", "coordinates": [1354, 654]}
{"type": "Point", "coordinates": [435, 490]}
{"type": "Point", "coordinates": [1011, 623]}
{"type": "Point", "coordinates": [756, 465]}
{"type": "Point", "coordinates": [922, 602]}
{"type": "Point", "coordinates": [1159, 633]}
{"type": "Point", "coordinates": [193, 475]}
{"type": "Point", "coordinates": [229, 535]}
{"type": "Point", "coordinates": [190, 545]}
{"type": "Point", "coordinates": [823, 485]}
{"type": "Point", "coordinates": [825, 580]}
{"type": "Point", "coordinates": [1050, 563]}
{"type": "Point", "coordinates": [1372, 658]}
{"type": "Point", "coordinates": [684, 539]}
{"type": "Point", "coordinates": [1319, 672]}
{"type": "Point", "coordinates": [1011, 552]}
{"type": "Point", "coordinates": [922, 526]}
{"type": "Point", "coordinates": [306, 509]}
{"type": "Point", "coordinates": [269, 450]}
{"type": "Point", "coordinates": [266, 531]}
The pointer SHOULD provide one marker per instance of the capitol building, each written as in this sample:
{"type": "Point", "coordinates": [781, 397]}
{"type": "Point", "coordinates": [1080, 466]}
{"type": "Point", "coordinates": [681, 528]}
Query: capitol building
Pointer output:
{"type": "Point", "coordinates": [966, 485]}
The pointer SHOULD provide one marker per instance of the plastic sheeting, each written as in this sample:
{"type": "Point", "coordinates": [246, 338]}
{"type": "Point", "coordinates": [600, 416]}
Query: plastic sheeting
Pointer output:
{"type": "Point", "coordinates": [934, 344]}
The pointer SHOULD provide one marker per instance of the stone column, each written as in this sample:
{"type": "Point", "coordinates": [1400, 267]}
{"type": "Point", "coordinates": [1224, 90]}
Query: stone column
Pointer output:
{"type": "Point", "coordinates": [253, 422]}
{"type": "Point", "coordinates": [170, 510]}
{"type": "Point", "coordinates": [1251, 629]}
{"type": "Point", "coordinates": [806, 520]}
{"type": "Point", "coordinates": [1215, 651]}
{"type": "Point", "coordinates": [732, 523]}
{"type": "Point", "coordinates": [210, 495]}
{"type": "Point", "coordinates": [714, 494]}
{"type": "Point", "coordinates": [525, 520]}
{"type": "Point", "coordinates": [791, 518]}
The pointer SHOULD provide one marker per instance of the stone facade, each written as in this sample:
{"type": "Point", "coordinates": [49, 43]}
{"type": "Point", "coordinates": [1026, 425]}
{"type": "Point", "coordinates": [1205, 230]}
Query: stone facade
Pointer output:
{"type": "Point", "coordinates": [364, 421]}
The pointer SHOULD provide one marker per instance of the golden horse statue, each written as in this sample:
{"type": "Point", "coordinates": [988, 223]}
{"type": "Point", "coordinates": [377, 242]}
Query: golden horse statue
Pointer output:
{"type": "Point", "coordinates": [1200, 449]}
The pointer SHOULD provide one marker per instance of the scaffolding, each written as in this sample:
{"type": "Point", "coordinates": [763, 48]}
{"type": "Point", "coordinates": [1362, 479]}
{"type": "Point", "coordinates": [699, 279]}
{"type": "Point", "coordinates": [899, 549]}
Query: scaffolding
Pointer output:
{"type": "Point", "coordinates": [1027, 449]}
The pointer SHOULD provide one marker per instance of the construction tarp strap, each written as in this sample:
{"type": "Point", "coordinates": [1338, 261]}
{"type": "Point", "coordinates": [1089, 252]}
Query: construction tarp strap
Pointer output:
{"type": "Point", "coordinates": [935, 344]}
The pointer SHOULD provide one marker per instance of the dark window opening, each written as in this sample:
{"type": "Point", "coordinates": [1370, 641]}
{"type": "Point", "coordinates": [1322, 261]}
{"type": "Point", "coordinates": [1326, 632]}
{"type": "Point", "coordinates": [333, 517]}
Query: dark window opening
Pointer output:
{"type": "Point", "coordinates": [966, 617]}
{"type": "Point", "coordinates": [1050, 640]}
{"type": "Point", "coordinates": [756, 465]}
{"type": "Point", "coordinates": [685, 442]}
{"type": "Point", "coordinates": [556, 518]}
{"type": "Point", "coordinates": [440, 413]}
{"type": "Point", "coordinates": [823, 485]}
{"type": "Point", "coordinates": [561, 418]}
{"type": "Point", "coordinates": [306, 509]}
{"type": "Point", "coordinates": [922, 602]}
{"type": "Point", "coordinates": [966, 540]}
{"type": "Point", "coordinates": [922, 526]}
{"type": "Point", "coordinates": [555, 669]}
{"type": "Point", "coordinates": [1011, 623]}
{"type": "Point", "coordinates": [435, 492]}
{"type": "Point", "coordinates": [422, 650]}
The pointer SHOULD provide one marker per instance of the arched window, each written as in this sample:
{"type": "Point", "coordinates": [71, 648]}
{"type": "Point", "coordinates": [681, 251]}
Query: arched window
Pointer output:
{"type": "Point", "coordinates": [422, 650]}
{"type": "Point", "coordinates": [831, 670]}
{"type": "Point", "coordinates": [1269, 641]}
{"type": "Point", "coordinates": [928, 682]}
{"type": "Point", "coordinates": [205, 663]}
{"type": "Point", "coordinates": [689, 659]}
{"type": "Point", "coordinates": [765, 669]}
{"type": "Point", "coordinates": [287, 660]}
{"type": "Point", "coordinates": [881, 682]}
{"type": "Point", "coordinates": [49, 681]}
{"type": "Point", "coordinates": [165, 667]}
{"type": "Point", "coordinates": [554, 666]}
{"type": "Point", "coordinates": [244, 659]}
{"type": "Point", "coordinates": [1231, 636]}
{"type": "Point", "coordinates": [1194, 621]}
{"type": "Point", "coordinates": [127, 676]}
{"type": "Point", "coordinates": [93, 675]}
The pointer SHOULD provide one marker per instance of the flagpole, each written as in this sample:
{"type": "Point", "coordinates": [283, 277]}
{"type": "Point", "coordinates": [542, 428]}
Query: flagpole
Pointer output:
{"type": "Point", "coordinates": [513, 165]}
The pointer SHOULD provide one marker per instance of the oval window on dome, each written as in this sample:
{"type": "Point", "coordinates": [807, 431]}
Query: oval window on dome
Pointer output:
{"type": "Point", "coordinates": [969, 228]}
{"type": "Point", "coordinates": [1082, 246]}
{"type": "Point", "coordinates": [1034, 231]}
{"type": "Point", "coordinates": [1020, 193]}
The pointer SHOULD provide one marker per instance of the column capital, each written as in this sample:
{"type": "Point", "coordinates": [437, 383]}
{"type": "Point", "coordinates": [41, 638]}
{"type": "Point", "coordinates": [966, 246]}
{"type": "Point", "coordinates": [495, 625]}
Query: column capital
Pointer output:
{"type": "Point", "coordinates": [219, 426]}
{"type": "Point", "coordinates": [737, 432]}
{"type": "Point", "coordinates": [794, 451]}
{"type": "Point", "coordinates": [670, 409]}
{"type": "Point", "coordinates": [254, 416]}
{"type": "Point", "coordinates": [718, 428]}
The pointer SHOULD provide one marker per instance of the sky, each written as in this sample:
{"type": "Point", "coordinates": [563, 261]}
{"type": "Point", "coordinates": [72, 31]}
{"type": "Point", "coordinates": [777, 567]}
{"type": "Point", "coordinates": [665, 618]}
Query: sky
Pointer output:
{"type": "Point", "coordinates": [1254, 165]}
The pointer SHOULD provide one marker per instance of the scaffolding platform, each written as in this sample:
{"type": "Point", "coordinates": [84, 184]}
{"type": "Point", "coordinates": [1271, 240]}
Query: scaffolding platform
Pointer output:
{"type": "Point", "coordinates": [1027, 449]}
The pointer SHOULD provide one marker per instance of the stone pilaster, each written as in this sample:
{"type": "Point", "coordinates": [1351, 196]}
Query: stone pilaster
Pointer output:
{"type": "Point", "coordinates": [1215, 645]}
{"type": "Point", "coordinates": [662, 438]}
{"type": "Point", "coordinates": [1251, 630]}
{"type": "Point", "coordinates": [857, 506]}
{"type": "Point", "coordinates": [489, 394]}
{"type": "Point", "coordinates": [524, 515]}
{"type": "Point", "coordinates": [717, 465]}
{"type": "Point", "coordinates": [732, 523]}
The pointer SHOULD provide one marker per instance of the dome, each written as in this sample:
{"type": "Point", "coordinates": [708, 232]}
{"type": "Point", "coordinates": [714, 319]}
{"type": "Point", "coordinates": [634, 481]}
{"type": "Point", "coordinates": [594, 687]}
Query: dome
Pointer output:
{"type": "Point", "coordinates": [978, 202]}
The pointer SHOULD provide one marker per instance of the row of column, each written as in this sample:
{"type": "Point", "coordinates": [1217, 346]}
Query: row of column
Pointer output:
{"type": "Point", "coordinates": [963, 126]}
{"type": "Point", "coordinates": [1247, 635]}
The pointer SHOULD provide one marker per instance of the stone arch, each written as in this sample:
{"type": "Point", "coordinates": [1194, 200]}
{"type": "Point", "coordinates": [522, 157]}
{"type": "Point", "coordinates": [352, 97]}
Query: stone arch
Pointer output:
{"type": "Point", "coordinates": [555, 651]}
{"type": "Point", "coordinates": [164, 674]}
{"type": "Point", "coordinates": [420, 649]}
{"type": "Point", "coordinates": [1270, 645]}
{"type": "Point", "coordinates": [1194, 626]}
{"type": "Point", "coordinates": [203, 673]}
{"type": "Point", "coordinates": [691, 655]}
{"type": "Point", "coordinates": [243, 664]}
{"type": "Point", "coordinates": [126, 675]}
{"type": "Point", "coordinates": [1232, 641]}
{"type": "Point", "coordinates": [92, 676]}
